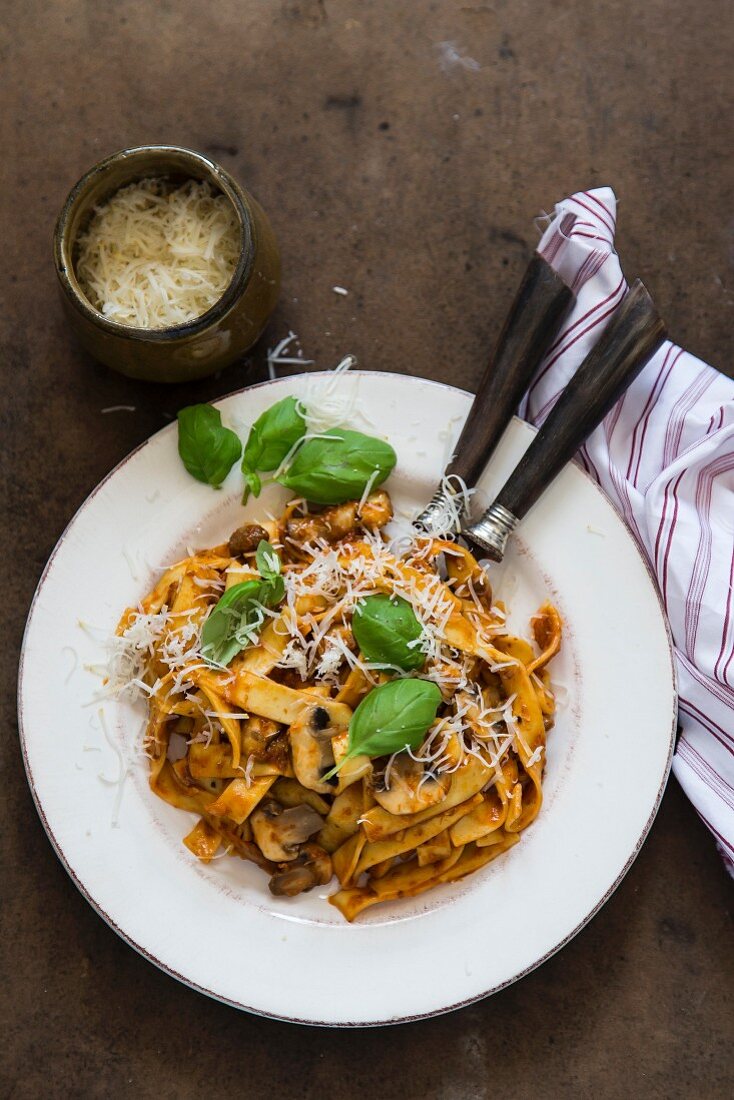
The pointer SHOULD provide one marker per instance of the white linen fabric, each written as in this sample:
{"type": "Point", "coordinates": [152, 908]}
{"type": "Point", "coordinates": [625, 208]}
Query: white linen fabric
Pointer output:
{"type": "Point", "coordinates": [665, 457]}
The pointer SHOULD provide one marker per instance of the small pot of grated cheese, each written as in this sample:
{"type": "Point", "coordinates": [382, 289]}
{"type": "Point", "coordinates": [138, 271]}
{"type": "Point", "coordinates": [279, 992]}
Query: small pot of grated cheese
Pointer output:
{"type": "Point", "coordinates": [169, 269]}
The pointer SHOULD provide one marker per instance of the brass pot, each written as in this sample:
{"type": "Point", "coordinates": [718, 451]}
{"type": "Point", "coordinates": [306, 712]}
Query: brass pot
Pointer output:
{"type": "Point", "coordinates": [210, 342]}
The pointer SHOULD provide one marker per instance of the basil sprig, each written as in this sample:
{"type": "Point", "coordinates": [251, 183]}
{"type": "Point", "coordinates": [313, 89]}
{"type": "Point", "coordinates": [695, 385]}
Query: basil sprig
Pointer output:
{"type": "Point", "coordinates": [237, 617]}
{"type": "Point", "coordinates": [383, 627]}
{"type": "Point", "coordinates": [392, 717]}
{"type": "Point", "coordinates": [271, 438]}
{"type": "Point", "coordinates": [328, 469]}
{"type": "Point", "coordinates": [208, 450]}
{"type": "Point", "coordinates": [338, 467]}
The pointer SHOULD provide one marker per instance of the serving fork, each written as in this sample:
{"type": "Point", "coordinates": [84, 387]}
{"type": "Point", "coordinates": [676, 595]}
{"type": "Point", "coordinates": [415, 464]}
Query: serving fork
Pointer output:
{"type": "Point", "coordinates": [631, 337]}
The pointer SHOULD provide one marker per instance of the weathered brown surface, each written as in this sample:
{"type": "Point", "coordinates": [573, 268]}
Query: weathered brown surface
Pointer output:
{"type": "Point", "coordinates": [414, 188]}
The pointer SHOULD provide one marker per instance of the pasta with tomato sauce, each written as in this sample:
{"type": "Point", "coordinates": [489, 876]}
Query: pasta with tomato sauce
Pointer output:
{"type": "Point", "coordinates": [329, 702]}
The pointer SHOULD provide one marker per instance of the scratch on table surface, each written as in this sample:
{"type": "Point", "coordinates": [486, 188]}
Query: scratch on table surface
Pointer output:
{"type": "Point", "coordinates": [451, 55]}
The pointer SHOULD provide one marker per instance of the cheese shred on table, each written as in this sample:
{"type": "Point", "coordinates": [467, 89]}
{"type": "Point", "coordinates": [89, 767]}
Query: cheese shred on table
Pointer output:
{"type": "Point", "coordinates": [153, 256]}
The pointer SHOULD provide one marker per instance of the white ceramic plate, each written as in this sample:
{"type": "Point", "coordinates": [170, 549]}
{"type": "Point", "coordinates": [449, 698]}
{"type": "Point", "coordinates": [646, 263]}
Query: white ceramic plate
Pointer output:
{"type": "Point", "coordinates": [216, 927]}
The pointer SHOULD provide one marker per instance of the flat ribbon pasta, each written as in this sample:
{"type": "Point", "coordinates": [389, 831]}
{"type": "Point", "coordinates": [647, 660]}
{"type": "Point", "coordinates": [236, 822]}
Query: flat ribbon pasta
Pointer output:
{"type": "Point", "coordinates": [250, 749]}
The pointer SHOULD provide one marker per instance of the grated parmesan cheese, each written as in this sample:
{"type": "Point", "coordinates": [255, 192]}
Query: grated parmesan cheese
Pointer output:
{"type": "Point", "coordinates": [319, 644]}
{"type": "Point", "coordinates": [153, 257]}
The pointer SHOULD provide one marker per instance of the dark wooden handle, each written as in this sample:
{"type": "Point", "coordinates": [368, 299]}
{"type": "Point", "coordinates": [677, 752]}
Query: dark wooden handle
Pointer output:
{"type": "Point", "coordinates": [626, 344]}
{"type": "Point", "coordinates": [531, 325]}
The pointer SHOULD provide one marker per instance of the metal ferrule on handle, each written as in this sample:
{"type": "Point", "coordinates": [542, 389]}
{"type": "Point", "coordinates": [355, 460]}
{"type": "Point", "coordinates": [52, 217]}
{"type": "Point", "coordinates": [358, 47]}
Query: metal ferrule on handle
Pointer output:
{"type": "Point", "coordinates": [433, 515]}
{"type": "Point", "coordinates": [492, 531]}
{"type": "Point", "coordinates": [629, 340]}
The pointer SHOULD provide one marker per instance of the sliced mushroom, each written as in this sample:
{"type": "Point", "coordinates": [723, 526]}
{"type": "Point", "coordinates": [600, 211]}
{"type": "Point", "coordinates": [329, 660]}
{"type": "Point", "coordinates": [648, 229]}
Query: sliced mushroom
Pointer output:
{"type": "Point", "coordinates": [352, 769]}
{"type": "Point", "coordinates": [319, 723]}
{"type": "Point", "coordinates": [289, 792]}
{"type": "Point", "coordinates": [257, 732]}
{"type": "Point", "coordinates": [310, 738]}
{"type": "Point", "coordinates": [246, 539]}
{"type": "Point", "coordinates": [311, 868]}
{"type": "Point", "coordinates": [279, 832]}
{"type": "Point", "coordinates": [343, 519]}
{"type": "Point", "coordinates": [411, 788]}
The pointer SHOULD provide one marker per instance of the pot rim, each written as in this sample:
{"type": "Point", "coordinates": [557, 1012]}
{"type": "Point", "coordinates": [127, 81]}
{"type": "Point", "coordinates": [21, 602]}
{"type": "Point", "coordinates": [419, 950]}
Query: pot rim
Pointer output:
{"type": "Point", "coordinates": [202, 166]}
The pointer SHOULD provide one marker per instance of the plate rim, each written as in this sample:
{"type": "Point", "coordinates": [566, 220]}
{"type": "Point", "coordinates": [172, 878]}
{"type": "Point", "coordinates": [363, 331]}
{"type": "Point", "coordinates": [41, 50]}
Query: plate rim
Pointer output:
{"type": "Point", "coordinates": [239, 1005]}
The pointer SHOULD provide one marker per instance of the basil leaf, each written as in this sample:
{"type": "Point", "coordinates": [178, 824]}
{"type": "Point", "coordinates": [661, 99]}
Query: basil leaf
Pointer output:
{"type": "Point", "coordinates": [237, 609]}
{"type": "Point", "coordinates": [235, 620]}
{"type": "Point", "coordinates": [275, 591]}
{"type": "Point", "coordinates": [332, 470]}
{"type": "Point", "coordinates": [392, 717]}
{"type": "Point", "coordinates": [383, 626]}
{"type": "Point", "coordinates": [268, 561]}
{"type": "Point", "coordinates": [207, 449]}
{"type": "Point", "coordinates": [271, 438]}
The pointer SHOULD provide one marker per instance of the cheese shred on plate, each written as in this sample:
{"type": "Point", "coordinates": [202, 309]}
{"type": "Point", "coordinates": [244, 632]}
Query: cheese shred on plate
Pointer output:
{"type": "Point", "coordinates": [155, 256]}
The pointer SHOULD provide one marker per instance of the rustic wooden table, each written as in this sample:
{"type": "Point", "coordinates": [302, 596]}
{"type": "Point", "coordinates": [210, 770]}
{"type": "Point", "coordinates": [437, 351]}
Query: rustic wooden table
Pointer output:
{"type": "Point", "coordinates": [402, 151]}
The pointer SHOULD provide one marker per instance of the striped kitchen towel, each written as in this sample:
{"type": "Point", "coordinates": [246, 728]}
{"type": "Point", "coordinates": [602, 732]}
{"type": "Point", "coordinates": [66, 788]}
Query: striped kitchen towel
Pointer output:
{"type": "Point", "coordinates": [665, 457]}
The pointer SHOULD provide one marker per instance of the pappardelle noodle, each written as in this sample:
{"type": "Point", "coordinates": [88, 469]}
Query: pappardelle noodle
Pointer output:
{"type": "Point", "coordinates": [329, 703]}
